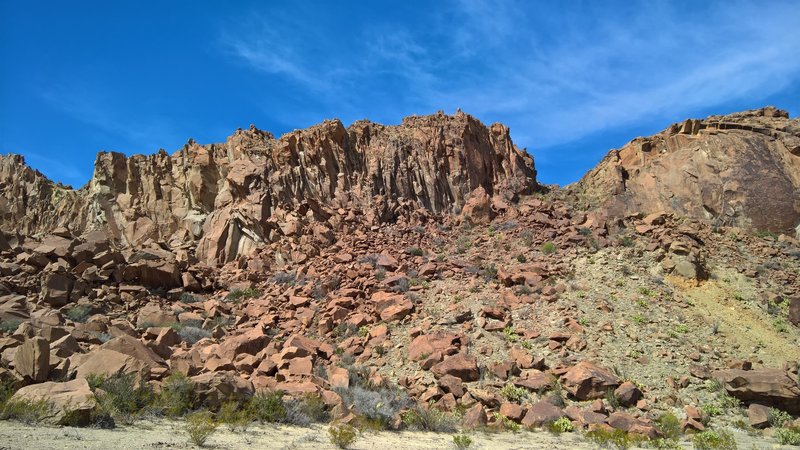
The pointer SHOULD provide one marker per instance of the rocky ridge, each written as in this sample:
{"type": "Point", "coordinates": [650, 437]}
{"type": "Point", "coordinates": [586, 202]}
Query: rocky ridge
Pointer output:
{"type": "Point", "coordinates": [229, 198]}
{"type": "Point", "coordinates": [740, 169]}
{"type": "Point", "coordinates": [490, 302]}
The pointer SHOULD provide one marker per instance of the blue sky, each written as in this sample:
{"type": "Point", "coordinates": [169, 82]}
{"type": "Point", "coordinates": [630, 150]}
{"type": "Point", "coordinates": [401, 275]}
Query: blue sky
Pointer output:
{"type": "Point", "coordinates": [572, 79]}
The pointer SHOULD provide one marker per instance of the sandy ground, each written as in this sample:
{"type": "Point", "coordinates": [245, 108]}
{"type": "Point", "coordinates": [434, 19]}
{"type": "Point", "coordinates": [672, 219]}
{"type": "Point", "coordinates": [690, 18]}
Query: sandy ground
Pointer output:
{"type": "Point", "coordinates": [169, 434]}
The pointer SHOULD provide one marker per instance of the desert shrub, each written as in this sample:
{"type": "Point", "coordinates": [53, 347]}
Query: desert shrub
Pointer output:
{"type": "Point", "coordinates": [306, 410]}
{"type": "Point", "coordinates": [429, 419]}
{"type": "Point", "coordinates": [267, 407]}
{"type": "Point", "coordinates": [514, 393]}
{"type": "Point", "coordinates": [462, 441]}
{"type": "Point", "coordinates": [505, 423]}
{"type": "Point", "coordinates": [200, 426]}
{"type": "Point", "coordinates": [711, 409]}
{"type": "Point", "coordinates": [788, 436]}
{"type": "Point", "coordinates": [177, 395]}
{"type": "Point", "coordinates": [25, 411]}
{"type": "Point", "coordinates": [548, 248]}
{"type": "Point", "coordinates": [664, 444]}
{"type": "Point", "coordinates": [616, 439]}
{"type": "Point", "coordinates": [669, 425]}
{"type": "Point", "coordinates": [121, 399]}
{"type": "Point", "coordinates": [192, 335]}
{"type": "Point", "coordinates": [342, 435]}
{"type": "Point", "coordinates": [189, 298]}
{"type": "Point", "coordinates": [284, 278]}
{"type": "Point", "coordinates": [562, 425]}
{"type": "Point", "coordinates": [415, 251]}
{"type": "Point", "coordinates": [238, 295]}
{"type": "Point", "coordinates": [7, 389]}
{"type": "Point", "coordinates": [234, 416]}
{"type": "Point", "coordinates": [489, 272]}
{"type": "Point", "coordinates": [714, 440]}
{"type": "Point", "coordinates": [377, 405]}
{"type": "Point", "coordinates": [9, 326]}
{"type": "Point", "coordinates": [78, 313]}
{"type": "Point", "coordinates": [777, 418]}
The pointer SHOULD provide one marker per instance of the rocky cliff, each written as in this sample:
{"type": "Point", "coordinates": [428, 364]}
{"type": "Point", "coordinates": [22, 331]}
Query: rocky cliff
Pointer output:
{"type": "Point", "coordinates": [741, 169]}
{"type": "Point", "coordinates": [228, 197]}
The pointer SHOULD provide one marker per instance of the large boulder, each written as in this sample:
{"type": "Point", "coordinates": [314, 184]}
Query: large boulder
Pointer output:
{"type": "Point", "coordinates": [215, 388]}
{"type": "Point", "coordinates": [32, 360]}
{"type": "Point", "coordinates": [69, 403]}
{"type": "Point", "coordinates": [587, 381]}
{"type": "Point", "coordinates": [770, 387]}
{"type": "Point", "coordinates": [460, 365]}
{"type": "Point", "coordinates": [56, 289]}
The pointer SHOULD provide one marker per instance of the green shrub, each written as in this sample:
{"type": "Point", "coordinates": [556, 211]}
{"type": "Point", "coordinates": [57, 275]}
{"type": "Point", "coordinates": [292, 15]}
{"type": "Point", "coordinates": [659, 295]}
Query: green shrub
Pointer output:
{"type": "Point", "coordinates": [25, 411]}
{"type": "Point", "coordinates": [9, 326]}
{"type": "Point", "coordinates": [548, 248]}
{"type": "Point", "coordinates": [121, 399]}
{"type": "Point", "coordinates": [711, 409]}
{"type": "Point", "coordinates": [415, 251]}
{"type": "Point", "coordinates": [777, 418]}
{"type": "Point", "coordinates": [192, 335]}
{"type": "Point", "coordinates": [788, 436]}
{"type": "Point", "coordinates": [462, 441]}
{"type": "Point", "coordinates": [189, 298]}
{"type": "Point", "coordinates": [7, 389]}
{"type": "Point", "coordinates": [267, 407]}
{"type": "Point", "coordinates": [342, 435]}
{"type": "Point", "coordinates": [200, 426]}
{"type": "Point", "coordinates": [514, 393]}
{"type": "Point", "coordinates": [618, 439]}
{"type": "Point", "coordinates": [562, 425]}
{"type": "Point", "coordinates": [428, 419]}
{"type": "Point", "coordinates": [177, 395]}
{"type": "Point", "coordinates": [237, 295]}
{"type": "Point", "coordinates": [78, 313]}
{"type": "Point", "coordinates": [505, 423]}
{"type": "Point", "coordinates": [669, 425]}
{"type": "Point", "coordinates": [309, 408]}
{"type": "Point", "coordinates": [714, 440]}
{"type": "Point", "coordinates": [234, 416]}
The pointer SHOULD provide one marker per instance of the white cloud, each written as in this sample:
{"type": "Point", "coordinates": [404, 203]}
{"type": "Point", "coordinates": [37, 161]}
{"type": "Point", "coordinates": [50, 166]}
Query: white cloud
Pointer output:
{"type": "Point", "coordinates": [553, 75]}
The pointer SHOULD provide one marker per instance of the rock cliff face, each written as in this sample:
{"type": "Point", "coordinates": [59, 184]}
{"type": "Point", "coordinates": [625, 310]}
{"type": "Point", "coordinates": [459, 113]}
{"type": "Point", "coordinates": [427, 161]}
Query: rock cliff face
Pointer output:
{"type": "Point", "coordinates": [230, 197]}
{"type": "Point", "coordinates": [741, 169]}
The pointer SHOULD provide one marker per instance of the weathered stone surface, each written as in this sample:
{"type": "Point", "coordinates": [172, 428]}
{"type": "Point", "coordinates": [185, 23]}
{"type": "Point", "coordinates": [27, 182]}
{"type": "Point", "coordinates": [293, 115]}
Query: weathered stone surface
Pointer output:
{"type": "Point", "coordinates": [223, 196]}
{"type": "Point", "coordinates": [72, 397]}
{"type": "Point", "coordinates": [56, 288]}
{"type": "Point", "coordinates": [460, 365]}
{"type": "Point", "coordinates": [32, 360]}
{"type": "Point", "coordinates": [587, 381]}
{"type": "Point", "coordinates": [541, 413]}
{"type": "Point", "coordinates": [771, 387]}
{"type": "Point", "coordinates": [214, 389]}
{"type": "Point", "coordinates": [721, 169]}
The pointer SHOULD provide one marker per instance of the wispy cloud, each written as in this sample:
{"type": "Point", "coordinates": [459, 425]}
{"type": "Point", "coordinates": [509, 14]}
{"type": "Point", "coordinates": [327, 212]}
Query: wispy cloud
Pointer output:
{"type": "Point", "coordinates": [142, 135]}
{"type": "Point", "coordinates": [554, 75]}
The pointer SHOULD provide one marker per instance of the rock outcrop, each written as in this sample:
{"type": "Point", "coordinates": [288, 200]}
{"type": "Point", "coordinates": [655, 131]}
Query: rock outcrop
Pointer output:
{"type": "Point", "coordinates": [741, 169]}
{"type": "Point", "coordinates": [228, 199]}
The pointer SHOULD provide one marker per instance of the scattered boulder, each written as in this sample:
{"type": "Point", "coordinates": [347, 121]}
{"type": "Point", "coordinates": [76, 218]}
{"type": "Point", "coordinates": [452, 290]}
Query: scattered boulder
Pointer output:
{"type": "Point", "coordinates": [32, 360]}
{"type": "Point", "coordinates": [460, 365]}
{"type": "Point", "coordinates": [69, 403]}
{"type": "Point", "coordinates": [586, 381]}
{"type": "Point", "coordinates": [770, 387]}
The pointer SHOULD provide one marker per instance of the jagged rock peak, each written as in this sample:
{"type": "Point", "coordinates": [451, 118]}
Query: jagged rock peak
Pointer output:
{"type": "Point", "coordinates": [227, 192]}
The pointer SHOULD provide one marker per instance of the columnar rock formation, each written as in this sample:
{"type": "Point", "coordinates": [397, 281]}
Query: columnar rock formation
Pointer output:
{"type": "Point", "coordinates": [740, 169]}
{"type": "Point", "coordinates": [222, 196]}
